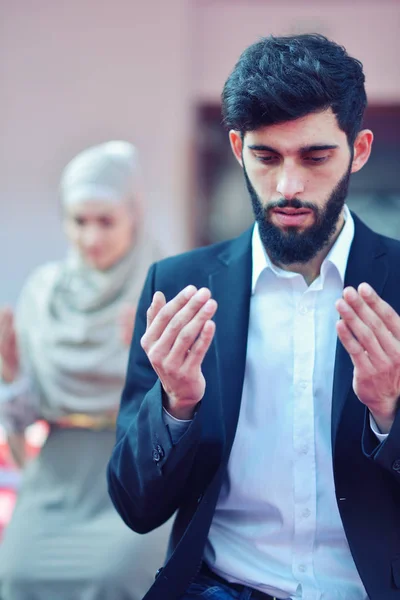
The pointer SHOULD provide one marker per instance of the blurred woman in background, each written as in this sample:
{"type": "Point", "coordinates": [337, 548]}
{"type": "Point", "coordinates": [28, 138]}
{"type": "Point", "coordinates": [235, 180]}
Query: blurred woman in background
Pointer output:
{"type": "Point", "coordinates": [64, 361]}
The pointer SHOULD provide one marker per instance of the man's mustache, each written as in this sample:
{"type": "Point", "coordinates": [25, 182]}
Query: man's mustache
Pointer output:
{"type": "Point", "coordinates": [294, 203]}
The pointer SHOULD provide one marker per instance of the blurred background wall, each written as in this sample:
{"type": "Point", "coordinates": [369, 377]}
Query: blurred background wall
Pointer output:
{"type": "Point", "coordinates": [81, 72]}
{"type": "Point", "coordinates": [77, 73]}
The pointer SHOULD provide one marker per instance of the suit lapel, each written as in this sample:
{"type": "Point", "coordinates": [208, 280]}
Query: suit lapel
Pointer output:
{"type": "Point", "coordinates": [230, 284]}
{"type": "Point", "coordinates": [367, 262]}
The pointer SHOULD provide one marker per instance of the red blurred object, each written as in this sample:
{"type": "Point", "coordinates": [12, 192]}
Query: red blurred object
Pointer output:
{"type": "Point", "coordinates": [10, 475]}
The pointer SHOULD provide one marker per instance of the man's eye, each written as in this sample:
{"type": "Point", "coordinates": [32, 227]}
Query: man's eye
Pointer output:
{"type": "Point", "coordinates": [80, 221]}
{"type": "Point", "coordinates": [267, 159]}
{"type": "Point", "coordinates": [315, 159]}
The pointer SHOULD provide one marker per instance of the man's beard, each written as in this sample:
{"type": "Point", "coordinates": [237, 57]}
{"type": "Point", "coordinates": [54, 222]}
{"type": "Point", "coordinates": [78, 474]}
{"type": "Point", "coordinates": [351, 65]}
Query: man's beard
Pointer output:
{"type": "Point", "coordinates": [291, 246]}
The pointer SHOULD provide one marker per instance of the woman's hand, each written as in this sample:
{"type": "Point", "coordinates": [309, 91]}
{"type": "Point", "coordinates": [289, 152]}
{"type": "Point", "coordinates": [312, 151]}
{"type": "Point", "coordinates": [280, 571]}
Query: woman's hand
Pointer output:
{"type": "Point", "coordinates": [16, 444]}
{"type": "Point", "coordinates": [126, 323]}
{"type": "Point", "coordinates": [9, 355]}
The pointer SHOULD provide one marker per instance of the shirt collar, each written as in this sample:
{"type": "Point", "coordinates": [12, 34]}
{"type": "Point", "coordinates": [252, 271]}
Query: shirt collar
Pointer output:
{"type": "Point", "coordinates": [337, 256]}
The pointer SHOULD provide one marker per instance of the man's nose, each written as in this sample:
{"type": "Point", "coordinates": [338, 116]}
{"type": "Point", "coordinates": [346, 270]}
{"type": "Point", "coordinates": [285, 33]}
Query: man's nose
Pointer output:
{"type": "Point", "coordinates": [290, 183]}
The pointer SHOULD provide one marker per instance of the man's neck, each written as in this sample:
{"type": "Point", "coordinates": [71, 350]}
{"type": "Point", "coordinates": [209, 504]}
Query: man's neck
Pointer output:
{"type": "Point", "coordinates": [311, 269]}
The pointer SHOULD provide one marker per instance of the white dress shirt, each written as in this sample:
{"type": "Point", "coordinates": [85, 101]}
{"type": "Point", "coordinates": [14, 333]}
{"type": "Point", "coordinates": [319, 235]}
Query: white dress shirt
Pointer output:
{"type": "Point", "coordinates": [277, 526]}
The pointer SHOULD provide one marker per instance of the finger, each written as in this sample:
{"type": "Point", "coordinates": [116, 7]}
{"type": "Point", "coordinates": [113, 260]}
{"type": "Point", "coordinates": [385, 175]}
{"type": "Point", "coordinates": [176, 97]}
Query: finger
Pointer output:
{"type": "Point", "coordinates": [359, 357]}
{"type": "Point", "coordinates": [385, 338]}
{"type": "Point", "coordinates": [126, 333]}
{"type": "Point", "coordinates": [365, 337]}
{"type": "Point", "coordinates": [8, 345]}
{"type": "Point", "coordinates": [126, 318]}
{"type": "Point", "coordinates": [127, 312]}
{"type": "Point", "coordinates": [188, 335]}
{"type": "Point", "coordinates": [186, 325]}
{"type": "Point", "coordinates": [6, 321]}
{"type": "Point", "coordinates": [6, 312]}
{"type": "Point", "coordinates": [129, 317]}
{"type": "Point", "coordinates": [174, 316]}
{"type": "Point", "coordinates": [7, 335]}
{"type": "Point", "coordinates": [156, 305]}
{"type": "Point", "coordinates": [388, 315]}
{"type": "Point", "coordinates": [169, 308]}
{"type": "Point", "coordinates": [195, 356]}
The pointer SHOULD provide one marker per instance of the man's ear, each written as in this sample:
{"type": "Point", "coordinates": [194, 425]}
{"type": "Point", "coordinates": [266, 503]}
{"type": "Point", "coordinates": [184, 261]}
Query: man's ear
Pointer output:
{"type": "Point", "coordinates": [235, 138]}
{"type": "Point", "coordinates": [362, 149]}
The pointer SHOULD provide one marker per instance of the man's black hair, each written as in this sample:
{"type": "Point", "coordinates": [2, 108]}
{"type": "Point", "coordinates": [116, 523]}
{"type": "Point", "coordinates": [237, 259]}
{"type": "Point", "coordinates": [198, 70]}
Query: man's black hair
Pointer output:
{"type": "Point", "coordinates": [279, 79]}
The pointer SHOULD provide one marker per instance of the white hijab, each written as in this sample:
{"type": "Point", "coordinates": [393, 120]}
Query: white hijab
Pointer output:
{"type": "Point", "coordinates": [68, 312]}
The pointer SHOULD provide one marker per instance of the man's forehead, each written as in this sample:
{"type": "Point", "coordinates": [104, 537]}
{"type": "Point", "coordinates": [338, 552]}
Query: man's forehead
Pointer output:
{"type": "Point", "coordinates": [313, 129]}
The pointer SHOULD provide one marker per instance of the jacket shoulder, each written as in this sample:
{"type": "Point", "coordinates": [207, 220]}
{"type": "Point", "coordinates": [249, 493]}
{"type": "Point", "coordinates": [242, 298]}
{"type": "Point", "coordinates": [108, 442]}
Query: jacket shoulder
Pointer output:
{"type": "Point", "coordinates": [392, 246]}
{"type": "Point", "coordinates": [204, 259]}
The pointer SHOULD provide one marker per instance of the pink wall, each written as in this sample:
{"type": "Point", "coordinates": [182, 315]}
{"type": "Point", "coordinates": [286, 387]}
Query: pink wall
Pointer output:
{"type": "Point", "coordinates": [369, 29]}
{"type": "Point", "coordinates": [80, 72]}
{"type": "Point", "coordinates": [73, 74]}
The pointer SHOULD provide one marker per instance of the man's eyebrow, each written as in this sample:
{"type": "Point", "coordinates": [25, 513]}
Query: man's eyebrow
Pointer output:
{"type": "Point", "coordinates": [303, 150]}
{"type": "Point", "coordinates": [316, 147]}
{"type": "Point", "coordinates": [262, 148]}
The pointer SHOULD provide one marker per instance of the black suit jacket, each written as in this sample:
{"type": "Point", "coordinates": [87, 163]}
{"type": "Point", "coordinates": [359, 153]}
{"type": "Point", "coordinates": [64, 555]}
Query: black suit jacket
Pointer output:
{"type": "Point", "coordinates": [150, 478]}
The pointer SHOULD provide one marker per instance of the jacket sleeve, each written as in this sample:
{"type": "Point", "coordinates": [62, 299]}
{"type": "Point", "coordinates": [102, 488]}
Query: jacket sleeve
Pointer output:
{"type": "Point", "coordinates": [147, 473]}
{"type": "Point", "coordinates": [385, 453]}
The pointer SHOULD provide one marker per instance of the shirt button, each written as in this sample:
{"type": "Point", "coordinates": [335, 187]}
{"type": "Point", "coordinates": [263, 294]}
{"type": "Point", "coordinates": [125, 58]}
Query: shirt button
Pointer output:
{"type": "Point", "coordinates": [306, 513]}
{"type": "Point", "coordinates": [303, 310]}
{"type": "Point", "coordinates": [303, 385]}
{"type": "Point", "coordinates": [303, 449]}
{"type": "Point", "coordinates": [302, 568]}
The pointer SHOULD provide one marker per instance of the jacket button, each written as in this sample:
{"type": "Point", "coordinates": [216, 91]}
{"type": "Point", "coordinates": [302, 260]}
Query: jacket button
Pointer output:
{"type": "Point", "coordinates": [396, 465]}
{"type": "Point", "coordinates": [158, 453]}
{"type": "Point", "coordinates": [160, 450]}
{"type": "Point", "coordinates": [158, 572]}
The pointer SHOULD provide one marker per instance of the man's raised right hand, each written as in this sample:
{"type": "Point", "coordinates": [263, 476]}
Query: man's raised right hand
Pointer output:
{"type": "Point", "coordinates": [178, 335]}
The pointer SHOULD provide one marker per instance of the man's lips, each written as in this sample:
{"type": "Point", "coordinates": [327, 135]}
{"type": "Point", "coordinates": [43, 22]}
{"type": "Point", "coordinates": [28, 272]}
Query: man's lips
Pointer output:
{"type": "Point", "coordinates": [288, 210]}
{"type": "Point", "coordinates": [291, 217]}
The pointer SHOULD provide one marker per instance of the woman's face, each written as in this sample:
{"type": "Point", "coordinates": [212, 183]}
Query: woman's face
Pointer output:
{"type": "Point", "coordinates": [101, 232]}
